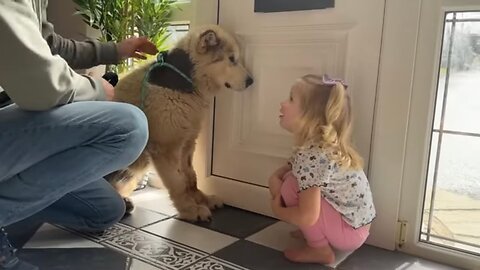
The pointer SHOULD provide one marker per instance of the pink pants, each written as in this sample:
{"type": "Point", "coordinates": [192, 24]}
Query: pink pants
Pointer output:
{"type": "Point", "coordinates": [330, 227]}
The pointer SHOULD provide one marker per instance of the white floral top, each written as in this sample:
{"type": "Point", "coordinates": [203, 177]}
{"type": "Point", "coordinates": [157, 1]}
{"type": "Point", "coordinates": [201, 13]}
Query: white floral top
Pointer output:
{"type": "Point", "coordinates": [346, 190]}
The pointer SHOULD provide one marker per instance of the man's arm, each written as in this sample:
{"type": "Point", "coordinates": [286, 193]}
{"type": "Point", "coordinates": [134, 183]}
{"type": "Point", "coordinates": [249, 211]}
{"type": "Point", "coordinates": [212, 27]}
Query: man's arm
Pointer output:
{"type": "Point", "coordinates": [78, 54]}
{"type": "Point", "coordinates": [29, 73]}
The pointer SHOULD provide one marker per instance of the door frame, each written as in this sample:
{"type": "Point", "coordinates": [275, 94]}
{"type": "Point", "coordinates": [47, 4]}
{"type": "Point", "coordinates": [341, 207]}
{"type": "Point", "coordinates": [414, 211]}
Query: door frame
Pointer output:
{"type": "Point", "coordinates": [417, 135]}
{"type": "Point", "coordinates": [394, 86]}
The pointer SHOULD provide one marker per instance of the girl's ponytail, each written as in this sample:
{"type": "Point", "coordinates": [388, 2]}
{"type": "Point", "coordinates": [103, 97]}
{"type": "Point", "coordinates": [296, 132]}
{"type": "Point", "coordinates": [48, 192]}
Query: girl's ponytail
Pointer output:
{"type": "Point", "coordinates": [333, 111]}
{"type": "Point", "coordinates": [335, 103]}
{"type": "Point", "coordinates": [338, 128]}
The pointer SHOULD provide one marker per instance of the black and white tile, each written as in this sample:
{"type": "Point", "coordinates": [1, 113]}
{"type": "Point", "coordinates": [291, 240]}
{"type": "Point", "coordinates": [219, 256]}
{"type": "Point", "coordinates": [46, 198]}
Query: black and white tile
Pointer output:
{"type": "Point", "coordinates": [188, 234]}
{"type": "Point", "coordinates": [156, 200]}
{"type": "Point", "coordinates": [277, 236]}
{"type": "Point", "coordinates": [237, 222]}
{"type": "Point", "coordinates": [212, 263]}
{"type": "Point", "coordinates": [142, 217]}
{"type": "Point", "coordinates": [152, 238]}
{"type": "Point", "coordinates": [115, 230]}
{"type": "Point", "coordinates": [49, 236]}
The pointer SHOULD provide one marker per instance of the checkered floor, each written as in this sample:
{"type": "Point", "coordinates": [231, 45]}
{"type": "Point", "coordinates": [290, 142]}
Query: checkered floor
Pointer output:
{"type": "Point", "coordinates": [151, 238]}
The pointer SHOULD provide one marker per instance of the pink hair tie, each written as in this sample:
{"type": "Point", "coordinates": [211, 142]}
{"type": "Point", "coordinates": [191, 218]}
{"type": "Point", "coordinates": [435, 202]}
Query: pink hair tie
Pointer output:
{"type": "Point", "coordinates": [326, 80]}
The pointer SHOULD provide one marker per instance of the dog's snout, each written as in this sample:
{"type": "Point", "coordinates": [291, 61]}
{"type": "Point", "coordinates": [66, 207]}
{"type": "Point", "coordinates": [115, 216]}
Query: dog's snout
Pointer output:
{"type": "Point", "coordinates": [249, 81]}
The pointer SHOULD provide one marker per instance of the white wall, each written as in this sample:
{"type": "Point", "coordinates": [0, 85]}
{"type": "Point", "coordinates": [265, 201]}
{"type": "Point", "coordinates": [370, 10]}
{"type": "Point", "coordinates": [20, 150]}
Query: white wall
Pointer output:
{"type": "Point", "coordinates": [60, 13]}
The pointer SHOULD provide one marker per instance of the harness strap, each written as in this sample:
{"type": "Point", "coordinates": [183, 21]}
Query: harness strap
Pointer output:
{"type": "Point", "coordinates": [160, 62]}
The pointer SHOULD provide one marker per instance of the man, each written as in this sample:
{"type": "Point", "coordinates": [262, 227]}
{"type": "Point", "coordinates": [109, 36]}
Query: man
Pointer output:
{"type": "Point", "coordinates": [54, 151]}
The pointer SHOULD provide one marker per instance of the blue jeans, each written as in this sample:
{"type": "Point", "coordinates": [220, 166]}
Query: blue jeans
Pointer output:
{"type": "Point", "coordinates": [52, 163]}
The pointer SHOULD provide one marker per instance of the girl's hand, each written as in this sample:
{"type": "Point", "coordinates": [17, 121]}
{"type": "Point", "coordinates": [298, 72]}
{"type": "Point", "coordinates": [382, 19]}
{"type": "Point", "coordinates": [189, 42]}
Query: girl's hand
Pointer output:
{"type": "Point", "coordinates": [280, 172]}
{"type": "Point", "coordinates": [276, 204]}
{"type": "Point", "coordinates": [275, 185]}
{"type": "Point", "coordinates": [276, 180]}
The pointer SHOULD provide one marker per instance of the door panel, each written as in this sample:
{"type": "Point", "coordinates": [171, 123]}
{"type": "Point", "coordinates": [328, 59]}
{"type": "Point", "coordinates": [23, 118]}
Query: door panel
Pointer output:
{"type": "Point", "coordinates": [279, 47]}
{"type": "Point", "coordinates": [242, 143]}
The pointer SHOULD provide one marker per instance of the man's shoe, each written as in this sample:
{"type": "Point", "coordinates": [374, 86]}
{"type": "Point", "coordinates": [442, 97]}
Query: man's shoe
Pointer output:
{"type": "Point", "coordinates": [8, 259]}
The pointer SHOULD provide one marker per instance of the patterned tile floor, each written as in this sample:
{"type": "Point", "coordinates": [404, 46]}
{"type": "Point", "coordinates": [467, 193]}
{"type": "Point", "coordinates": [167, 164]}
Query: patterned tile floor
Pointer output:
{"type": "Point", "coordinates": [151, 238]}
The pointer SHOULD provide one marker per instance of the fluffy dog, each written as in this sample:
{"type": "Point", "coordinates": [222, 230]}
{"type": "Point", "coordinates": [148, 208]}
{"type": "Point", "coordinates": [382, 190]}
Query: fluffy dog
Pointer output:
{"type": "Point", "coordinates": [175, 108]}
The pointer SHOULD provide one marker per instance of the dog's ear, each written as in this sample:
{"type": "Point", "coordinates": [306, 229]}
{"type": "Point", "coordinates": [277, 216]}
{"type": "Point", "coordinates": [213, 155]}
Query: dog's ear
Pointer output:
{"type": "Point", "coordinates": [208, 41]}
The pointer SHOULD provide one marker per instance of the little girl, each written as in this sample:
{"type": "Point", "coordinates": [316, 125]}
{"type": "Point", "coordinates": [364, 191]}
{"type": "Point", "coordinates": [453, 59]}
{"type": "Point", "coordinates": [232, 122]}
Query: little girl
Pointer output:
{"type": "Point", "coordinates": [323, 189]}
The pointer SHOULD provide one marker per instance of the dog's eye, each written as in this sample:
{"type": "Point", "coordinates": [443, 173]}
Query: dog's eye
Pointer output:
{"type": "Point", "coordinates": [232, 59]}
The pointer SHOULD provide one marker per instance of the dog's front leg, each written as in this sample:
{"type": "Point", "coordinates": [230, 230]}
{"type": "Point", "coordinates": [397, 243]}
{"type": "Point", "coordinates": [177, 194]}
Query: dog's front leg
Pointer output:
{"type": "Point", "coordinates": [167, 162]}
{"type": "Point", "coordinates": [211, 201]}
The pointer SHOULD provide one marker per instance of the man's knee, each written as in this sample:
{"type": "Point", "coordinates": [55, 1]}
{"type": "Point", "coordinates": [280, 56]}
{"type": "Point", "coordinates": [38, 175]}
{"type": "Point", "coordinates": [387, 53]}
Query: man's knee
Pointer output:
{"type": "Point", "coordinates": [131, 117]}
{"type": "Point", "coordinates": [131, 120]}
{"type": "Point", "coordinates": [131, 126]}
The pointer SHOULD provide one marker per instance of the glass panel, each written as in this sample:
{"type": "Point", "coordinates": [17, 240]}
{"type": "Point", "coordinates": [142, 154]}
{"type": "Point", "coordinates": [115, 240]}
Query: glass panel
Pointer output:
{"type": "Point", "coordinates": [468, 15]}
{"type": "Point", "coordinates": [456, 204]}
{"type": "Point", "coordinates": [449, 15]}
{"type": "Point", "coordinates": [429, 186]}
{"type": "Point", "coordinates": [442, 75]}
{"type": "Point", "coordinates": [177, 31]}
{"type": "Point", "coordinates": [463, 102]}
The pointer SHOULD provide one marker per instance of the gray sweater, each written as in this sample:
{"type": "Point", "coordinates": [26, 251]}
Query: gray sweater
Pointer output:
{"type": "Point", "coordinates": [36, 65]}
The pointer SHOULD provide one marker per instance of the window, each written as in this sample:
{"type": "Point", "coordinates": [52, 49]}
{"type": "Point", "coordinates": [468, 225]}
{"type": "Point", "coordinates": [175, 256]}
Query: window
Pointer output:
{"type": "Point", "coordinates": [177, 31]}
{"type": "Point", "coordinates": [451, 213]}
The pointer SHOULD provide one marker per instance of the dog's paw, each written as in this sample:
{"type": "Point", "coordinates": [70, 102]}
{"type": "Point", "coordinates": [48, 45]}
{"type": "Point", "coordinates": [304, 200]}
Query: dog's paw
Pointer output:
{"type": "Point", "coordinates": [196, 213]}
{"type": "Point", "coordinates": [156, 182]}
{"type": "Point", "coordinates": [129, 206]}
{"type": "Point", "coordinates": [204, 213]}
{"type": "Point", "coordinates": [214, 202]}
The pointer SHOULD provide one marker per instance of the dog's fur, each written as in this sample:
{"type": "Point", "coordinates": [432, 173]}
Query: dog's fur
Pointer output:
{"type": "Point", "coordinates": [212, 58]}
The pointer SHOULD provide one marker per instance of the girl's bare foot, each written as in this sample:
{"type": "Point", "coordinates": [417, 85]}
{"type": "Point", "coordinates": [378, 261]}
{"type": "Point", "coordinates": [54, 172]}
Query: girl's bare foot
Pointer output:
{"type": "Point", "coordinates": [323, 255]}
{"type": "Point", "coordinates": [297, 234]}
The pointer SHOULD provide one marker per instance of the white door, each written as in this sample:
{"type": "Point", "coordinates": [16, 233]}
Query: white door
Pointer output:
{"type": "Point", "coordinates": [248, 143]}
{"type": "Point", "coordinates": [440, 182]}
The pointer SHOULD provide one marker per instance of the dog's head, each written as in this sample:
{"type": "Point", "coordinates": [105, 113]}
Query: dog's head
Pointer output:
{"type": "Point", "coordinates": [216, 54]}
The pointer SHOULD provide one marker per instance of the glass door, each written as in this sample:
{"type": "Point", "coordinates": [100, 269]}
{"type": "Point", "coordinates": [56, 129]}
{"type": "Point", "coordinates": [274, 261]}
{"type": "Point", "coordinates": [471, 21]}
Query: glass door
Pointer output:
{"type": "Point", "coordinates": [440, 201]}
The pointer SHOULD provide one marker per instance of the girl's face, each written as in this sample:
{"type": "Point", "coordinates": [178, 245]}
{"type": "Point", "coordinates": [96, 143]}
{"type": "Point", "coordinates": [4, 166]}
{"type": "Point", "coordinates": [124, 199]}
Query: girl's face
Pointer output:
{"type": "Point", "coordinates": [290, 109]}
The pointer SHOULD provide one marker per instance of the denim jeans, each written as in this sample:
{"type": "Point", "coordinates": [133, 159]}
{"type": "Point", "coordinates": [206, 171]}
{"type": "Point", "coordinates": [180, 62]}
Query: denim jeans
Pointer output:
{"type": "Point", "coordinates": [52, 163]}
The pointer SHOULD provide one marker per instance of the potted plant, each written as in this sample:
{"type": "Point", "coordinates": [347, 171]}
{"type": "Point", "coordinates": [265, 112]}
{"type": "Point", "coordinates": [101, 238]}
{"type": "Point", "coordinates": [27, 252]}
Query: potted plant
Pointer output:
{"type": "Point", "coordinates": [120, 19]}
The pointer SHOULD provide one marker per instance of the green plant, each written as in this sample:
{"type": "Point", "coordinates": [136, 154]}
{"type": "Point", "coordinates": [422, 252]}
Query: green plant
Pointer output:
{"type": "Point", "coordinates": [119, 19]}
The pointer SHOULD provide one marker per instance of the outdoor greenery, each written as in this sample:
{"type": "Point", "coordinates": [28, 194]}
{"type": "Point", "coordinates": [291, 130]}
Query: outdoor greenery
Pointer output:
{"type": "Point", "coordinates": [119, 19]}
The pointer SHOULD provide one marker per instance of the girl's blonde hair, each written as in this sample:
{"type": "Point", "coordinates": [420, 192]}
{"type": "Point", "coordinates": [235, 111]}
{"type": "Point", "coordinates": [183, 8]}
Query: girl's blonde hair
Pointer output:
{"type": "Point", "coordinates": [327, 120]}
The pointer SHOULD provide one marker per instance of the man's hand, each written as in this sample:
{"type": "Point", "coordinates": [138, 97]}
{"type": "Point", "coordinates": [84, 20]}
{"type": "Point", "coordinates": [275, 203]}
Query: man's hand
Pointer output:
{"type": "Point", "coordinates": [135, 47]}
{"type": "Point", "coordinates": [108, 88]}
